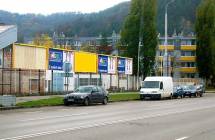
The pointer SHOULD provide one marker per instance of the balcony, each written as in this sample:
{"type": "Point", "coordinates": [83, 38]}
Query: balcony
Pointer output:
{"type": "Point", "coordinates": [188, 69]}
{"type": "Point", "coordinates": [188, 58]}
{"type": "Point", "coordinates": [169, 47]}
{"type": "Point", "coordinates": [188, 47]}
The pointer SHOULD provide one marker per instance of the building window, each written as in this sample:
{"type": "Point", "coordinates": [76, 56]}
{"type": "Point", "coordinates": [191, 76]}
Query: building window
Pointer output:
{"type": "Point", "coordinates": [188, 53]}
{"type": "Point", "coordinates": [188, 64]}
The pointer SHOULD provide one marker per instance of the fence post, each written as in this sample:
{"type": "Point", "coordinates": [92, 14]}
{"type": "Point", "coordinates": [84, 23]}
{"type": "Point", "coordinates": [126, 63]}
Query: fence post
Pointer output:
{"type": "Point", "coordinates": [118, 80]}
{"type": "Point", "coordinates": [90, 78]}
{"type": "Point", "coordinates": [19, 81]}
{"type": "Point", "coordinates": [110, 81]}
{"type": "Point", "coordinates": [127, 81]}
{"type": "Point", "coordinates": [100, 79]}
{"type": "Point", "coordinates": [39, 82]}
{"type": "Point", "coordinates": [52, 82]}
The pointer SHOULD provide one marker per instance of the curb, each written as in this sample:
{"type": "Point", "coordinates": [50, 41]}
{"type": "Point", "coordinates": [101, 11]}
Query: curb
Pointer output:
{"type": "Point", "coordinates": [10, 108]}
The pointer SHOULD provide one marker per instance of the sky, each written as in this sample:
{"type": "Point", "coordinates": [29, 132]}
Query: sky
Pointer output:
{"type": "Point", "coordinates": [47, 7]}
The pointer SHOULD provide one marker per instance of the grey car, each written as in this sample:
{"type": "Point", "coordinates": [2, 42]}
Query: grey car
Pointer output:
{"type": "Point", "coordinates": [190, 91]}
{"type": "Point", "coordinates": [87, 95]}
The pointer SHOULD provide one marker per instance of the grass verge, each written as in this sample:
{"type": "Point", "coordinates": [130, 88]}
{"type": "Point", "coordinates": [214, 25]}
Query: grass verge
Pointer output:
{"type": "Point", "coordinates": [56, 101]}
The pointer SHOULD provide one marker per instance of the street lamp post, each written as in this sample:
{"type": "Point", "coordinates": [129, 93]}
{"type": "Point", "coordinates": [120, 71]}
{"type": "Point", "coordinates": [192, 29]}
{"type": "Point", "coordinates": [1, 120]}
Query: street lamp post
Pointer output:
{"type": "Point", "coordinates": [165, 57]}
{"type": "Point", "coordinates": [138, 63]}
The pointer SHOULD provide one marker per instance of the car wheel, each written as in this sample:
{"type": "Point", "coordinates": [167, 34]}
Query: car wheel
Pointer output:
{"type": "Point", "coordinates": [201, 94]}
{"type": "Point", "coordinates": [171, 97]}
{"type": "Point", "coordinates": [86, 102]}
{"type": "Point", "coordinates": [105, 101]}
{"type": "Point", "coordinates": [66, 103]}
{"type": "Point", "coordinates": [196, 94]}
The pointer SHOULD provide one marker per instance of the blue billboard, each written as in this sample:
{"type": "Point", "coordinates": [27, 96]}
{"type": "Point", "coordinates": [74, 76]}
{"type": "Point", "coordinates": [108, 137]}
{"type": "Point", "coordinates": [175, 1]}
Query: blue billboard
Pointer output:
{"type": "Point", "coordinates": [103, 64]}
{"type": "Point", "coordinates": [55, 59]}
{"type": "Point", "coordinates": [121, 65]}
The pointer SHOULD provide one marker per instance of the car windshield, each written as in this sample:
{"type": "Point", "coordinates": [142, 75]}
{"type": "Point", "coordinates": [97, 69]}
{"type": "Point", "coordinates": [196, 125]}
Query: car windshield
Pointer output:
{"type": "Point", "coordinates": [192, 87]}
{"type": "Point", "coordinates": [151, 84]}
{"type": "Point", "coordinates": [84, 90]}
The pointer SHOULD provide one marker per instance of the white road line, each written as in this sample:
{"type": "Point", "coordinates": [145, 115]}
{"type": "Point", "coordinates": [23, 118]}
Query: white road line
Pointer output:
{"type": "Point", "coordinates": [32, 112]}
{"type": "Point", "coordinates": [53, 117]}
{"type": "Point", "coordinates": [182, 138]}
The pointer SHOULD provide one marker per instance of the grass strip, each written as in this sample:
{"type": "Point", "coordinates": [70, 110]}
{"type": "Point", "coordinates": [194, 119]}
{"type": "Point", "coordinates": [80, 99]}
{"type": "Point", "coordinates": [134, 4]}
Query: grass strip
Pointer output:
{"type": "Point", "coordinates": [57, 101]}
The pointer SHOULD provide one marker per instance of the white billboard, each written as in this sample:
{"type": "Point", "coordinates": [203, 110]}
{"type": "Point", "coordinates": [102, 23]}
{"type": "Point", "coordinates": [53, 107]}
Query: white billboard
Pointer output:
{"type": "Point", "coordinates": [129, 66]}
{"type": "Point", "coordinates": [112, 65]}
{"type": "Point", "coordinates": [68, 61]}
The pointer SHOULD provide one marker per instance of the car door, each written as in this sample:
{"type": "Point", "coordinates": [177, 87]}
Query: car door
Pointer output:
{"type": "Point", "coordinates": [101, 94]}
{"type": "Point", "coordinates": [95, 95]}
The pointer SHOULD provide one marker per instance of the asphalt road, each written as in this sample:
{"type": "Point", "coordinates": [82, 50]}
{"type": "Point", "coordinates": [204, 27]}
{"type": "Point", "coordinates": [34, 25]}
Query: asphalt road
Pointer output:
{"type": "Point", "coordinates": [179, 119]}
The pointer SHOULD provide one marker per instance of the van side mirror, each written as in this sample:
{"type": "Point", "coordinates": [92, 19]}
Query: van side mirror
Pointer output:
{"type": "Point", "coordinates": [161, 85]}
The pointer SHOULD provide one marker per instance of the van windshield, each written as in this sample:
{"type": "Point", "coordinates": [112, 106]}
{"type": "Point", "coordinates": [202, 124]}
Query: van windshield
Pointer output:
{"type": "Point", "coordinates": [151, 84]}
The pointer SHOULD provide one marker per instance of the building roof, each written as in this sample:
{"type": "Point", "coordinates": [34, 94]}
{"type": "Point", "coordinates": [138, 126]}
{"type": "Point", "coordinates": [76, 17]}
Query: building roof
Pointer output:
{"type": "Point", "coordinates": [8, 35]}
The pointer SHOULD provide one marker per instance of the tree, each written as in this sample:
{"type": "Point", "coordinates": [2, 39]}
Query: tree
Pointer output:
{"type": "Point", "coordinates": [43, 40]}
{"type": "Point", "coordinates": [140, 24]}
{"type": "Point", "coordinates": [88, 48]}
{"type": "Point", "coordinates": [205, 33]}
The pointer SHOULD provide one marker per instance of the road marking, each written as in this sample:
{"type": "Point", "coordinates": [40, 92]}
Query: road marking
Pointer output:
{"type": "Point", "coordinates": [32, 112]}
{"type": "Point", "coordinates": [182, 138]}
{"type": "Point", "coordinates": [53, 117]}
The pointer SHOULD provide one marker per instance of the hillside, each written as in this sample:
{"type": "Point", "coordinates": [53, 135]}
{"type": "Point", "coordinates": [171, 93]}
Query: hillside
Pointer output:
{"type": "Point", "coordinates": [181, 17]}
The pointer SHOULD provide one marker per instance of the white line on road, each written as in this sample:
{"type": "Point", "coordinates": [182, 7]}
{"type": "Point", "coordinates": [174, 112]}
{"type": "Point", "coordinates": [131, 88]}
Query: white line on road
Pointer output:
{"type": "Point", "coordinates": [182, 138]}
{"type": "Point", "coordinates": [32, 112]}
{"type": "Point", "coordinates": [53, 117]}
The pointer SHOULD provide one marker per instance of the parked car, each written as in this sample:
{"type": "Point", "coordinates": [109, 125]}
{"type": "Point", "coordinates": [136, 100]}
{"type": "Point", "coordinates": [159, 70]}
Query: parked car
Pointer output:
{"type": "Point", "coordinates": [190, 91]}
{"type": "Point", "coordinates": [200, 90]}
{"type": "Point", "coordinates": [87, 95]}
{"type": "Point", "coordinates": [178, 92]}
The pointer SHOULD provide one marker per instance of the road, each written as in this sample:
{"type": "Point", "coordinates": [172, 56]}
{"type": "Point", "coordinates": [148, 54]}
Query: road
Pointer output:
{"type": "Point", "coordinates": [179, 119]}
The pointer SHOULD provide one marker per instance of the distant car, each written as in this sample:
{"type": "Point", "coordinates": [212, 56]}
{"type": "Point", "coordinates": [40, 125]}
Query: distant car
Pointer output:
{"type": "Point", "coordinates": [190, 91]}
{"type": "Point", "coordinates": [87, 95]}
{"type": "Point", "coordinates": [178, 92]}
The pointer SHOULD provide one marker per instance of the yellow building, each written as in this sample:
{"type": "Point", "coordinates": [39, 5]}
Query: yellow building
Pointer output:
{"type": "Point", "coordinates": [182, 57]}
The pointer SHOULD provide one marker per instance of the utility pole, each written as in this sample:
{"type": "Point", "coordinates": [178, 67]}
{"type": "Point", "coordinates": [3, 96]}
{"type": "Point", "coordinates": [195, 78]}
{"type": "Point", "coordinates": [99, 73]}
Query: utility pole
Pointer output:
{"type": "Point", "coordinates": [165, 57]}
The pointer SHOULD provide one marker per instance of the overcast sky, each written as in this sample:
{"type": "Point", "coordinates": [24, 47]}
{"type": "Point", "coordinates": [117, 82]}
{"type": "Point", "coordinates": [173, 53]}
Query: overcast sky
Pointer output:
{"type": "Point", "coordinates": [53, 6]}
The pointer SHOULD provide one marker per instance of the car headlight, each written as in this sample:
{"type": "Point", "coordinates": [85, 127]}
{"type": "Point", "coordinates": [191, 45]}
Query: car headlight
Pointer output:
{"type": "Point", "coordinates": [82, 97]}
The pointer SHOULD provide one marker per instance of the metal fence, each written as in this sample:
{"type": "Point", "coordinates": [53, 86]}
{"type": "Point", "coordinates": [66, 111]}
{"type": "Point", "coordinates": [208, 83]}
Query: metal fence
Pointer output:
{"type": "Point", "coordinates": [24, 82]}
{"type": "Point", "coordinates": [21, 82]}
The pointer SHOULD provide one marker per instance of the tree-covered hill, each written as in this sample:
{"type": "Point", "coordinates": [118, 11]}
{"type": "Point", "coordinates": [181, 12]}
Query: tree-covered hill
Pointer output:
{"type": "Point", "coordinates": [181, 18]}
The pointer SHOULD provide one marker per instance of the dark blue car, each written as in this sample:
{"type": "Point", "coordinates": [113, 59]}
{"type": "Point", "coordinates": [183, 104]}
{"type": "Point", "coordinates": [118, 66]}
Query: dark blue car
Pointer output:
{"type": "Point", "coordinates": [178, 92]}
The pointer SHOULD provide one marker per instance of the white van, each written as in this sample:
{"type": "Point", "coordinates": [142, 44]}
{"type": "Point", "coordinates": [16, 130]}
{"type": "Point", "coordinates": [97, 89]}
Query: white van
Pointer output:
{"type": "Point", "coordinates": [157, 87]}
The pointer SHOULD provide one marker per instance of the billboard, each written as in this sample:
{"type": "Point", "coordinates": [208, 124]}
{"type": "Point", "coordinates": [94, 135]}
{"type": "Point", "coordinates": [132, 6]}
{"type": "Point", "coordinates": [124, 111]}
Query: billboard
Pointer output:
{"type": "Point", "coordinates": [121, 65]}
{"type": "Point", "coordinates": [55, 59]}
{"type": "Point", "coordinates": [7, 57]}
{"type": "Point", "coordinates": [102, 64]}
{"type": "Point", "coordinates": [1, 58]}
{"type": "Point", "coordinates": [27, 57]}
{"type": "Point", "coordinates": [85, 62]}
{"type": "Point", "coordinates": [129, 66]}
{"type": "Point", "coordinates": [68, 61]}
{"type": "Point", "coordinates": [112, 61]}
